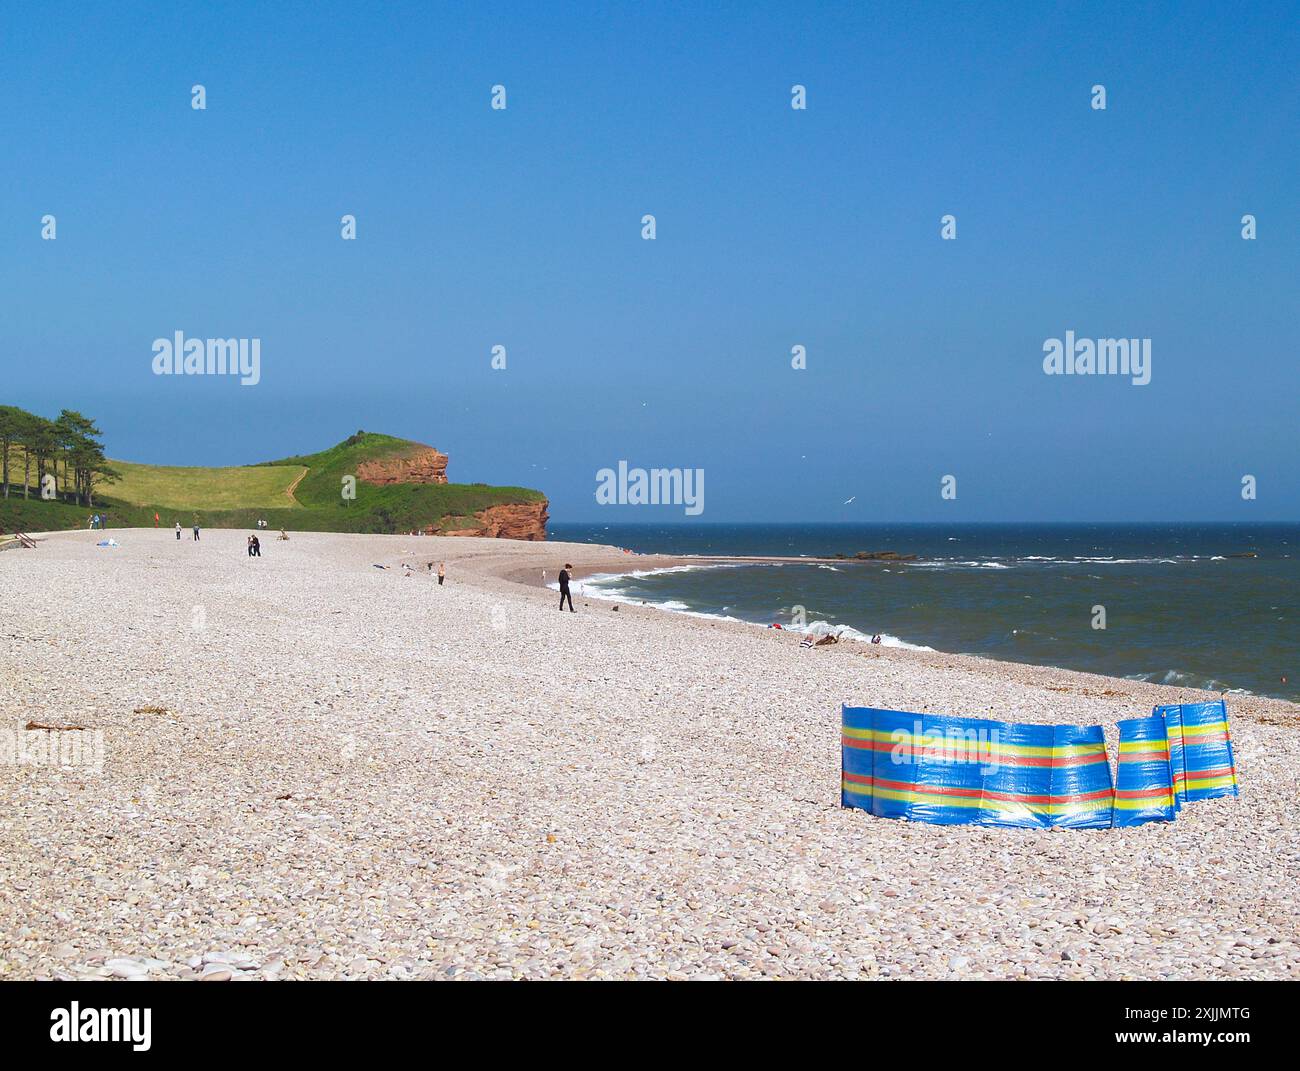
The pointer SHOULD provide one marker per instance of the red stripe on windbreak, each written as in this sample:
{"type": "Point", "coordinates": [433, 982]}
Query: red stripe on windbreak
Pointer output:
{"type": "Point", "coordinates": [1054, 763]}
{"type": "Point", "coordinates": [967, 793]}
{"type": "Point", "coordinates": [1222, 771]}
{"type": "Point", "coordinates": [900, 786]}
{"type": "Point", "coordinates": [874, 745]}
{"type": "Point", "coordinates": [1016, 797]}
{"type": "Point", "coordinates": [1073, 797]}
{"type": "Point", "coordinates": [857, 779]}
{"type": "Point", "coordinates": [991, 759]}
{"type": "Point", "coordinates": [950, 790]}
{"type": "Point", "coordinates": [1099, 794]}
{"type": "Point", "coordinates": [1141, 793]}
{"type": "Point", "coordinates": [974, 755]}
{"type": "Point", "coordinates": [1200, 739]}
{"type": "Point", "coordinates": [1144, 756]}
{"type": "Point", "coordinates": [1004, 797]}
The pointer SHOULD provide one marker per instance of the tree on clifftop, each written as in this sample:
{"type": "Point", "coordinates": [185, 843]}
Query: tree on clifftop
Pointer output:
{"type": "Point", "coordinates": [72, 439]}
{"type": "Point", "coordinates": [12, 422]}
{"type": "Point", "coordinates": [84, 454]}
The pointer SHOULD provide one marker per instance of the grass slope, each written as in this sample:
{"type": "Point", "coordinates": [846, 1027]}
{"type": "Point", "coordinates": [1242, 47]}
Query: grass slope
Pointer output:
{"type": "Point", "coordinates": [255, 487]}
{"type": "Point", "coordinates": [239, 497]}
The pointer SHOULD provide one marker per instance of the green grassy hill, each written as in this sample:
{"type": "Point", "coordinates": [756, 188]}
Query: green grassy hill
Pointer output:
{"type": "Point", "coordinates": [256, 487]}
{"type": "Point", "coordinates": [298, 493]}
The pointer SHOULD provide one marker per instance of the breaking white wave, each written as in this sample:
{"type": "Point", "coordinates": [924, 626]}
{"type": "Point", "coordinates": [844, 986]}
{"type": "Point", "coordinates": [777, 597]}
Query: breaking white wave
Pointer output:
{"type": "Point", "coordinates": [848, 632]}
{"type": "Point", "coordinates": [1179, 679]}
{"type": "Point", "coordinates": [602, 587]}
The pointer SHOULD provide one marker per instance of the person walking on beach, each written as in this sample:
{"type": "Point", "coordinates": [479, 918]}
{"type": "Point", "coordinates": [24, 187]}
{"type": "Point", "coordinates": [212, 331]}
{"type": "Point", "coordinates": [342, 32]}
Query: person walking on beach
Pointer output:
{"type": "Point", "coordinates": [257, 547]}
{"type": "Point", "coordinates": [564, 588]}
{"type": "Point", "coordinates": [442, 573]}
{"type": "Point", "coordinates": [155, 519]}
{"type": "Point", "coordinates": [178, 530]}
{"type": "Point", "coordinates": [196, 531]}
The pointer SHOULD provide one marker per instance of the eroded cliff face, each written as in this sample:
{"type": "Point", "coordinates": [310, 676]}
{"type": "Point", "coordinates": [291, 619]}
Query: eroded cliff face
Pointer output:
{"type": "Point", "coordinates": [424, 466]}
{"type": "Point", "coordinates": [522, 520]}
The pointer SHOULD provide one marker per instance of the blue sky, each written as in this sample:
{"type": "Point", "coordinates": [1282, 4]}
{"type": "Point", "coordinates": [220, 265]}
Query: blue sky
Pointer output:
{"type": "Point", "coordinates": [776, 227]}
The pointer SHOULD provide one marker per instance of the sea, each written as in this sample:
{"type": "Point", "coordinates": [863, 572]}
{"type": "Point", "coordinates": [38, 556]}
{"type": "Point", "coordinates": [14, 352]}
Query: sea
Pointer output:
{"type": "Point", "coordinates": [1212, 606]}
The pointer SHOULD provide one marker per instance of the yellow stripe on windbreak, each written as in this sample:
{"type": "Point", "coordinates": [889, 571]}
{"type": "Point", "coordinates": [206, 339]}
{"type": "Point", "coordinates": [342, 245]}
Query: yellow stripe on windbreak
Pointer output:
{"type": "Point", "coordinates": [1212, 782]}
{"type": "Point", "coordinates": [992, 805]}
{"type": "Point", "coordinates": [983, 746]}
{"type": "Point", "coordinates": [1142, 805]}
{"type": "Point", "coordinates": [927, 797]}
{"type": "Point", "coordinates": [1205, 730]}
{"type": "Point", "coordinates": [1143, 745]}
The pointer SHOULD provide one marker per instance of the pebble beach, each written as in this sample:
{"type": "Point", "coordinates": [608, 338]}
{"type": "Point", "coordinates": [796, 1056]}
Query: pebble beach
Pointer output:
{"type": "Point", "coordinates": [311, 767]}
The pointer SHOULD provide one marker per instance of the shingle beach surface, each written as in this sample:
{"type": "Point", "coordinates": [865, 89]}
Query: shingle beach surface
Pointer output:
{"type": "Point", "coordinates": [314, 768]}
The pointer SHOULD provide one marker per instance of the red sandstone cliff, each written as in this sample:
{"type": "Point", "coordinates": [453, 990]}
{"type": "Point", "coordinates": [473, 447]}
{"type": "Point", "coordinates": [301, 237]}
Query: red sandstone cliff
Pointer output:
{"type": "Point", "coordinates": [425, 465]}
{"type": "Point", "coordinates": [523, 520]}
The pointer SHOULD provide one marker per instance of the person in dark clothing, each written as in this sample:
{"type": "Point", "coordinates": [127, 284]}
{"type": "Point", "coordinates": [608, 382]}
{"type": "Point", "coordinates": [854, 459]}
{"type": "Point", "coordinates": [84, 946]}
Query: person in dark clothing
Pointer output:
{"type": "Point", "coordinates": [564, 588]}
{"type": "Point", "coordinates": [255, 548]}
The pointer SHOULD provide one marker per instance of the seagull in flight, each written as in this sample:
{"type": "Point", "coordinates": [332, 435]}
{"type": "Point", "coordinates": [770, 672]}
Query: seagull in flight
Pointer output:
{"type": "Point", "coordinates": [850, 500]}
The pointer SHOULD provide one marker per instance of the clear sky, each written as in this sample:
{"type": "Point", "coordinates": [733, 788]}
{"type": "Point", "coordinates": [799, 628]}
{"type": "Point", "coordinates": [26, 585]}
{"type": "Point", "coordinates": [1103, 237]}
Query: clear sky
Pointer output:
{"type": "Point", "coordinates": [775, 227]}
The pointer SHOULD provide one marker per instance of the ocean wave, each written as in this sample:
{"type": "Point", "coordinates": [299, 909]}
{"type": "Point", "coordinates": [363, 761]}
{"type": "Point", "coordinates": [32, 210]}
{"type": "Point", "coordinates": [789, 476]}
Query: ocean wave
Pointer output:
{"type": "Point", "coordinates": [848, 632]}
{"type": "Point", "coordinates": [588, 590]}
{"type": "Point", "coordinates": [1177, 678]}
{"type": "Point", "coordinates": [951, 563]}
{"type": "Point", "coordinates": [1043, 559]}
{"type": "Point", "coordinates": [1128, 561]}
{"type": "Point", "coordinates": [600, 578]}
{"type": "Point", "coordinates": [673, 606]}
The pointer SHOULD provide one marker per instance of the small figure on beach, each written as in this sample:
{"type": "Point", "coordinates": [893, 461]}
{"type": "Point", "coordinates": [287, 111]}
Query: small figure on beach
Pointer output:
{"type": "Point", "coordinates": [196, 531]}
{"type": "Point", "coordinates": [178, 530]}
{"type": "Point", "coordinates": [564, 588]}
{"type": "Point", "coordinates": [442, 573]}
{"type": "Point", "coordinates": [875, 638]}
{"type": "Point", "coordinates": [155, 519]}
{"type": "Point", "coordinates": [254, 547]}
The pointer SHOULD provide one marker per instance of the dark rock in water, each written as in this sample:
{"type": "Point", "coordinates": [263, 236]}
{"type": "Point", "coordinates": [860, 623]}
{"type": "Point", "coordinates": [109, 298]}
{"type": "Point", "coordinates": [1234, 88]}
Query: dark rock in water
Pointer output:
{"type": "Point", "coordinates": [1244, 554]}
{"type": "Point", "coordinates": [883, 556]}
